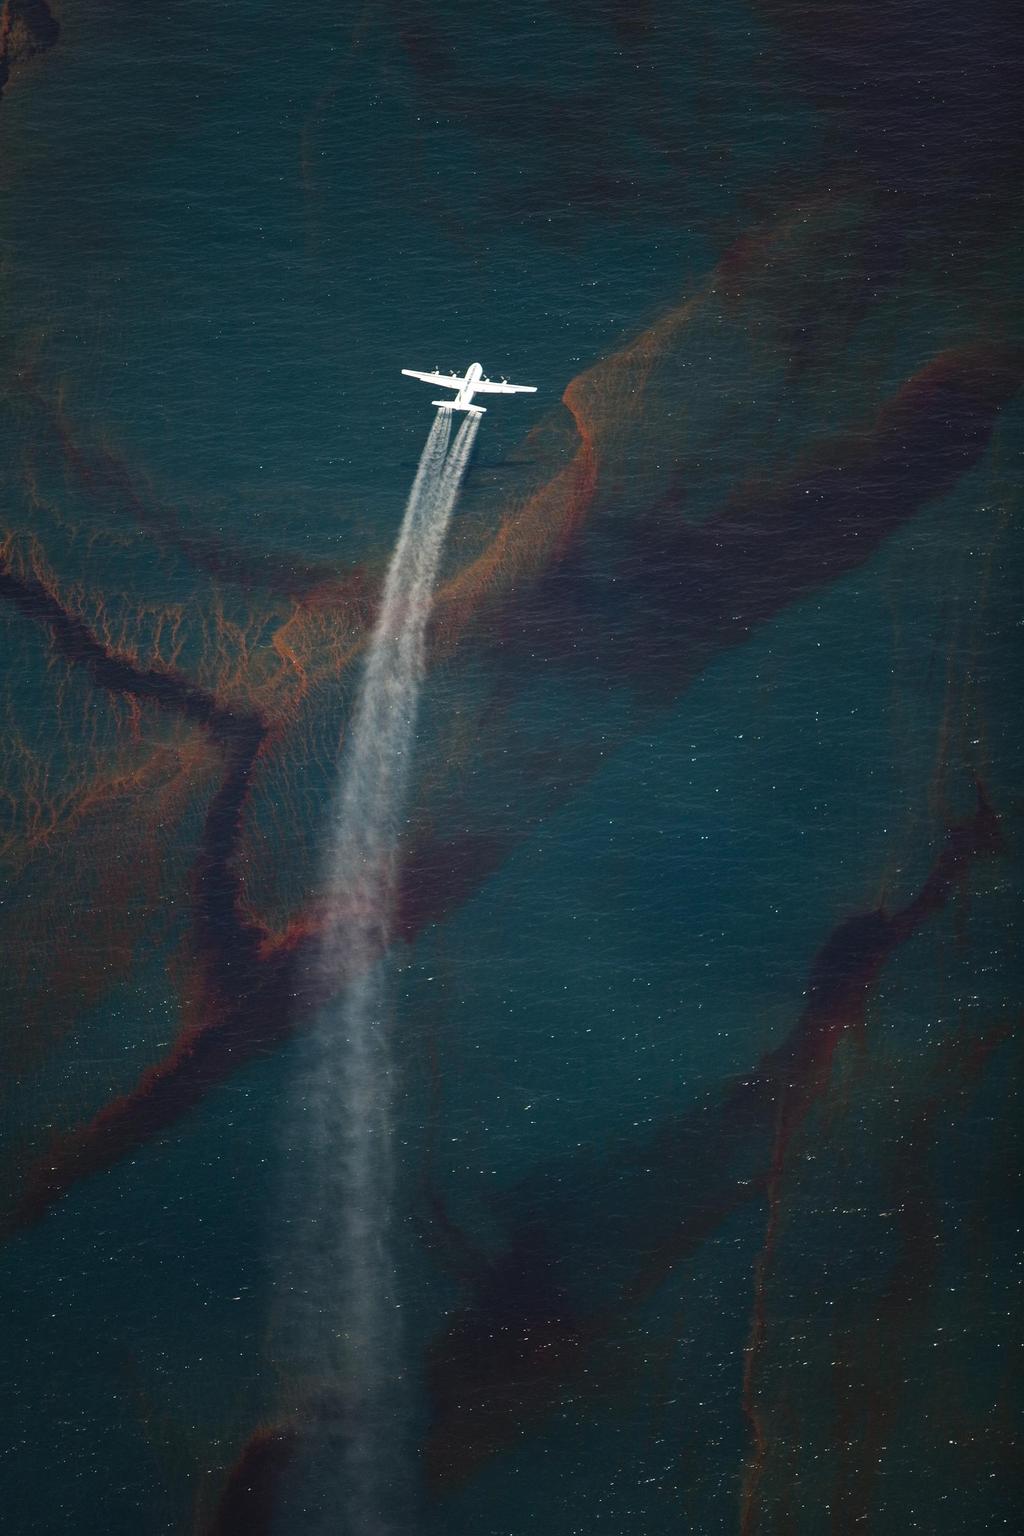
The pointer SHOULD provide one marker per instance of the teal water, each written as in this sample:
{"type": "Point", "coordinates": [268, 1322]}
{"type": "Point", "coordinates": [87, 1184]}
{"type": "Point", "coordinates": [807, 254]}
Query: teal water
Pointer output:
{"type": "Point", "coordinates": [706, 991]}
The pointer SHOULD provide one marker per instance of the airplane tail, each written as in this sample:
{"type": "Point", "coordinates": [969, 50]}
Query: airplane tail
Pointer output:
{"type": "Point", "coordinates": [451, 405]}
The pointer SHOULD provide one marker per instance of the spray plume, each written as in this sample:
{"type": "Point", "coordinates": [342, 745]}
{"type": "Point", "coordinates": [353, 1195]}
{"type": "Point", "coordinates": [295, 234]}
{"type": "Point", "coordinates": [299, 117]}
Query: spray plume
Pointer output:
{"type": "Point", "coordinates": [350, 1475]}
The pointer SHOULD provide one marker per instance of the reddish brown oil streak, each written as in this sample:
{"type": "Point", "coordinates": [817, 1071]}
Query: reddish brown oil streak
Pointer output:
{"type": "Point", "coordinates": [696, 590]}
{"type": "Point", "coordinates": [246, 1506]}
{"type": "Point", "coordinates": [230, 946]}
{"type": "Point", "coordinates": [485, 1373]}
{"type": "Point", "coordinates": [108, 481]}
{"type": "Point", "coordinates": [870, 1383]}
{"type": "Point", "coordinates": [27, 28]}
{"type": "Point", "coordinates": [584, 471]}
{"type": "Point", "coordinates": [755, 558]}
{"type": "Point", "coordinates": [439, 875]}
{"type": "Point", "coordinates": [844, 976]}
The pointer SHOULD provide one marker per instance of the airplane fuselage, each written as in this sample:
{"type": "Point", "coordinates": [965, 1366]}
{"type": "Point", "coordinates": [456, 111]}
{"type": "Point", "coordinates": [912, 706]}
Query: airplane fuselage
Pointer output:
{"type": "Point", "coordinates": [474, 373]}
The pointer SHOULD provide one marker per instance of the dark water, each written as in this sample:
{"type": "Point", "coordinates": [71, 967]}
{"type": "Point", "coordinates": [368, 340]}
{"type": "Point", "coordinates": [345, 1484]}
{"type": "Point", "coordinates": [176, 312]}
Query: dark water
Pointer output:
{"type": "Point", "coordinates": [706, 1000]}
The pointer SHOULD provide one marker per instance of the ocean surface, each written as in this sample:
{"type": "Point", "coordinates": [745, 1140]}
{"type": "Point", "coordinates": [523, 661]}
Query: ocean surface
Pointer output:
{"type": "Point", "coordinates": [700, 987]}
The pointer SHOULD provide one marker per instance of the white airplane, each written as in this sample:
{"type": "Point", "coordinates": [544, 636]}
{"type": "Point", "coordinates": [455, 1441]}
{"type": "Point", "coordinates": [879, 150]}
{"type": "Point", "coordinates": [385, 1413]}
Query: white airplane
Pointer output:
{"type": "Point", "coordinates": [468, 384]}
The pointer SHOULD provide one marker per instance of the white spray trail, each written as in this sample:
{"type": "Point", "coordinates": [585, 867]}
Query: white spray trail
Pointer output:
{"type": "Point", "coordinates": [352, 1482]}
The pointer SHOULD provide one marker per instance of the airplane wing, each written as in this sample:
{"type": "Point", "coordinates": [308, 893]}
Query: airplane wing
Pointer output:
{"type": "Point", "coordinates": [446, 380]}
{"type": "Point", "coordinates": [487, 386]}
